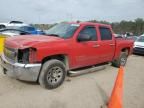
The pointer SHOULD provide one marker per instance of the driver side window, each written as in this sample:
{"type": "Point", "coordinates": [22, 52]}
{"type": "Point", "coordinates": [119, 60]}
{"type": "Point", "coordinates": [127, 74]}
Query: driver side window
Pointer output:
{"type": "Point", "coordinates": [90, 31]}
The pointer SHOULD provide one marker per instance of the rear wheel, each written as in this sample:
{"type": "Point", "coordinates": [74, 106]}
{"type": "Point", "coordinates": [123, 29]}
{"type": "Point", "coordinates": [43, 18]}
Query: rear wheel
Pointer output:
{"type": "Point", "coordinates": [52, 74]}
{"type": "Point", "coordinates": [121, 61]}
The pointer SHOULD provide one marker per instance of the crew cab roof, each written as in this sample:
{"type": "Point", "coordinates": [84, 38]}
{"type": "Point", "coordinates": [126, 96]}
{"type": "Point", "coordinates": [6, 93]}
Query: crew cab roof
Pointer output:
{"type": "Point", "coordinates": [90, 23]}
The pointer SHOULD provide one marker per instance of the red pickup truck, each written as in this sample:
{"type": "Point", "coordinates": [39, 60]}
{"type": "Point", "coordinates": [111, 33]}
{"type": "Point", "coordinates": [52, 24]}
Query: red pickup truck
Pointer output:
{"type": "Point", "coordinates": [65, 48]}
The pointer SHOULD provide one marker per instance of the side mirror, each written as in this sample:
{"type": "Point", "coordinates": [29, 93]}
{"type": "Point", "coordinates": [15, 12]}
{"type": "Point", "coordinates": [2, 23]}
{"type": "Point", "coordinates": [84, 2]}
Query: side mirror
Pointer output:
{"type": "Point", "coordinates": [84, 37]}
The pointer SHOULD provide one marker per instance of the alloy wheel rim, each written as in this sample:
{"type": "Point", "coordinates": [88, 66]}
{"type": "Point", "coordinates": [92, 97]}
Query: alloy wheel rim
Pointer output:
{"type": "Point", "coordinates": [123, 61]}
{"type": "Point", "coordinates": [54, 75]}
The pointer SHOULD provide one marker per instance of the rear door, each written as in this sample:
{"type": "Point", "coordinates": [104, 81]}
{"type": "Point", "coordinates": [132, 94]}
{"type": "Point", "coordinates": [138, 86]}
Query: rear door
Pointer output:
{"type": "Point", "coordinates": [107, 44]}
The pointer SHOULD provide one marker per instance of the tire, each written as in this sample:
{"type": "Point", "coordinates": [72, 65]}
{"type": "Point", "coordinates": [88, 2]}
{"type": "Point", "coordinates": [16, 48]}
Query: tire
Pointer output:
{"type": "Point", "coordinates": [52, 74]}
{"type": "Point", "coordinates": [121, 61]}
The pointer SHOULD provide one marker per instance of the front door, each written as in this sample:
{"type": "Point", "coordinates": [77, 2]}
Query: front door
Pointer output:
{"type": "Point", "coordinates": [87, 51]}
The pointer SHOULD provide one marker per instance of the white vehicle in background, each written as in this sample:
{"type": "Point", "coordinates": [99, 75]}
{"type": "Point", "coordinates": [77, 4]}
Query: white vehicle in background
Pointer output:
{"type": "Point", "coordinates": [139, 45]}
{"type": "Point", "coordinates": [13, 32]}
{"type": "Point", "coordinates": [13, 23]}
{"type": "Point", "coordinates": [118, 36]}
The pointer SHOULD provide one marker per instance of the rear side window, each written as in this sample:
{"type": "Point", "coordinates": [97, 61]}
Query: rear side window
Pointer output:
{"type": "Point", "coordinates": [105, 33]}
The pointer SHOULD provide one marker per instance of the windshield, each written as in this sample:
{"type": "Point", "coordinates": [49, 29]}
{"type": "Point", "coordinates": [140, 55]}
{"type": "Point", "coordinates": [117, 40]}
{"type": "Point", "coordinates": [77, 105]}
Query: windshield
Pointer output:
{"type": "Point", "coordinates": [140, 39]}
{"type": "Point", "coordinates": [62, 30]}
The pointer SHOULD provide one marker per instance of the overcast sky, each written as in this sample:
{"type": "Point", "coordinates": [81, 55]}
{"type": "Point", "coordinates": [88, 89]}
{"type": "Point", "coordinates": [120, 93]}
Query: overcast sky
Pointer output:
{"type": "Point", "coordinates": [51, 11]}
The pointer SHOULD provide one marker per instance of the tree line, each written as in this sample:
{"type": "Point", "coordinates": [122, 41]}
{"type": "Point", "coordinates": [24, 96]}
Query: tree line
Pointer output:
{"type": "Point", "coordinates": [136, 26]}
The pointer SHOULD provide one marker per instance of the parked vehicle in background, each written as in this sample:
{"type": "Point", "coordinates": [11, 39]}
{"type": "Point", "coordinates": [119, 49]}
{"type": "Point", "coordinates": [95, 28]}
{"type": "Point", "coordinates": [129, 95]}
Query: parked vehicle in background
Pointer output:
{"type": "Point", "coordinates": [13, 32]}
{"type": "Point", "coordinates": [128, 34]}
{"type": "Point", "coordinates": [21, 26]}
{"type": "Point", "coordinates": [31, 30]}
{"type": "Point", "coordinates": [139, 46]}
{"type": "Point", "coordinates": [134, 38]}
{"type": "Point", "coordinates": [28, 29]}
{"type": "Point", "coordinates": [5, 33]}
{"type": "Point", "coordinates": [15, 28]}
{"type": "Point", "coordinates": [118, 36]}
{"type": "Point", "coordinates": [16, 31]}
{"type": "Point", "coordinates": [65, 48]}
{"type": "Point", "coordinates": [14, 23]}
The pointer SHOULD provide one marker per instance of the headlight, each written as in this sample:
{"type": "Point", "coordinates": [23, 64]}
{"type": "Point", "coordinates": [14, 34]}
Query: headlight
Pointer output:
{"type": "Point", "coordinates": [27, 55]}
{"type": "Point", "coordinates": [23, 56]}
{"type": "Point", "coordinates": [10, 53]}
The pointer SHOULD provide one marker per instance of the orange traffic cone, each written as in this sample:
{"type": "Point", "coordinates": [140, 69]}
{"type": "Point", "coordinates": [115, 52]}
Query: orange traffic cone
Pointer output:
{"type": "Point", "coordinates": [116, 96]}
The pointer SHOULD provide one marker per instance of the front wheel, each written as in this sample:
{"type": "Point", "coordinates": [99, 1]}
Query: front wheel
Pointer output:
{"type": "Point", "coordinates": [52, 74]}
{"type": "Point", "coordinates": [121, 61]}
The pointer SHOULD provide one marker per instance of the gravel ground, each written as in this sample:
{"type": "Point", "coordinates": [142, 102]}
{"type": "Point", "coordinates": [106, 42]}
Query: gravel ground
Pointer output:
{"type": "Point", "coordinates": [85, 91]}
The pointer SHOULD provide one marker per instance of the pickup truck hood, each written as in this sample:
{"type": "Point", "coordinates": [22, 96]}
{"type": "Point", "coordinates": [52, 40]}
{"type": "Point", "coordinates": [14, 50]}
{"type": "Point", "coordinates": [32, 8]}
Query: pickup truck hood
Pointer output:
{"type": "Point", "coordinates": [29, 41]}
{"type": "Point", "coordinates": [139, 44]}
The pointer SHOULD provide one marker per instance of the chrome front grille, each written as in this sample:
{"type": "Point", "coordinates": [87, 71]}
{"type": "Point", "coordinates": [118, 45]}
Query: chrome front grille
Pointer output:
{"type": "Point", "coordinates": [10, 53]}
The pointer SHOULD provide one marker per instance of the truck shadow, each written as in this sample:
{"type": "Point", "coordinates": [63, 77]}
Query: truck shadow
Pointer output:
{"type": "Point", "coordinates": [28, 82]}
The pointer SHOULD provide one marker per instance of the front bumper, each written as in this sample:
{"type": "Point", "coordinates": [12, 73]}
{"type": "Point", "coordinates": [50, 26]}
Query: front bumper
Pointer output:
{"type": "Point", "coordinates": [25, 72]}
{"type": "Point", "coordinates": [138, 50]}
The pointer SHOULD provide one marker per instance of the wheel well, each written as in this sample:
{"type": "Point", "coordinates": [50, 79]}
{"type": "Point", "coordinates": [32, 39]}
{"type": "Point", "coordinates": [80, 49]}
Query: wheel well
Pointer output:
{"type": "Point", "coordinates": [61, 57]}
{"type": "Point", "coordinates": [126, 50]}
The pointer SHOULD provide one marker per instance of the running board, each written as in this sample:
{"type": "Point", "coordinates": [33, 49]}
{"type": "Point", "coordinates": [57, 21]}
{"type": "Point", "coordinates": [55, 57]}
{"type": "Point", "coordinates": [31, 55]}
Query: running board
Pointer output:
{"type": "Point", "coordinates": [86, 70]}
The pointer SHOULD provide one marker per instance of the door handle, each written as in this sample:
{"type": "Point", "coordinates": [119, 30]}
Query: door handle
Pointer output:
{"type": "Point", "coordinates": [112, 44]}
{"type": "Point", "coordinates": [95, 46]}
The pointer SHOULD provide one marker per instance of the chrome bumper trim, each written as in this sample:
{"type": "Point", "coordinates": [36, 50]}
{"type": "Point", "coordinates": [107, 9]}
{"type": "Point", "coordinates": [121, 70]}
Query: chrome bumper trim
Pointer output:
{"type": "Point", "coordinates": [26, 72]}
